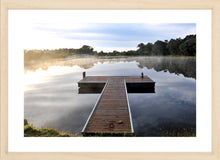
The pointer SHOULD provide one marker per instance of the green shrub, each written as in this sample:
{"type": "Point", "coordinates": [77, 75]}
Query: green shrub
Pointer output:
{"type": "Point", "coordinates": [25, 121]}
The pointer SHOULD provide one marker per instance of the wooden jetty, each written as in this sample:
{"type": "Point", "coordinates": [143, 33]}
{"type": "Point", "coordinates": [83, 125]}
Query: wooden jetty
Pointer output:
{"type": "Point", "coordinates": [111, 114]}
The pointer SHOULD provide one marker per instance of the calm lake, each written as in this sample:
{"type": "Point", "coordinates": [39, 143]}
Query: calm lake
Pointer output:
{"type": "Point", "coordinates": [51, 96]}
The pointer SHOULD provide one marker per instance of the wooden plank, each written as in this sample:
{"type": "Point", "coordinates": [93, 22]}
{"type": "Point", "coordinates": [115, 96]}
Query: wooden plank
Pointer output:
{"type": "Point", "coordinates": [111, 114]}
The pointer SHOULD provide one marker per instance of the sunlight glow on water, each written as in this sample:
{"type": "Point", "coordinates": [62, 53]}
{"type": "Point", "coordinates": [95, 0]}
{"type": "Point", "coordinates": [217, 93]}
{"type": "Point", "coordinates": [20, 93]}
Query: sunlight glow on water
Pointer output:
{"type": "Point", "coordinates": [41, 76]}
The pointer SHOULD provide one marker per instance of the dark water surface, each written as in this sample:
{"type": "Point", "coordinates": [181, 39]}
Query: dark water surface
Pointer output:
{"type": "Point", "coordinates": [51, 96]}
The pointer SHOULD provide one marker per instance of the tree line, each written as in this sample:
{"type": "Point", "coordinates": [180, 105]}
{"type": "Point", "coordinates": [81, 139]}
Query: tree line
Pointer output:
{"type": "Point", "coordinates": [185, 47]}
{"type": "Point", "coordinates": [174, 47]}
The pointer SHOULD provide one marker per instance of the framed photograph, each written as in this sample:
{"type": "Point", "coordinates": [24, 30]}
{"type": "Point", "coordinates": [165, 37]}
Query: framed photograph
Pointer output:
{"type": "Point", "coordinates": [109, 79]}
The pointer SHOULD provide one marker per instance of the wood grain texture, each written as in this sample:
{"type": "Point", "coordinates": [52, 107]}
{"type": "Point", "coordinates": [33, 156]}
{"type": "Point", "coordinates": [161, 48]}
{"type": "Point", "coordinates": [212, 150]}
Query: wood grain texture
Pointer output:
{"type": "Point", "coordinates": [106, 116]}
{"type": "Point", "coordinates": [215, 79]}
{"type": "Point", "coordinates": [4, 80]}
{"type": "Point", "coordinates": [112, 4]}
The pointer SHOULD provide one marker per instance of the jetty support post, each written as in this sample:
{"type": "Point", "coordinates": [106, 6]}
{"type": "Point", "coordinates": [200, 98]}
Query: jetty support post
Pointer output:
{"type": "Point", "coordinates": [142, 75]}
{"type": "Point", "coordinates": [84, 74]}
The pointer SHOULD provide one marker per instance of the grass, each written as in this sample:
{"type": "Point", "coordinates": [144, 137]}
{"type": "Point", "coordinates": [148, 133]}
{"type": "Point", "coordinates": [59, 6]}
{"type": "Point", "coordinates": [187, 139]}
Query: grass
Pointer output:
{"type": "Point", "coordinates": [178, 132]}
{"type": "Point", "coordinates": [31, 131]}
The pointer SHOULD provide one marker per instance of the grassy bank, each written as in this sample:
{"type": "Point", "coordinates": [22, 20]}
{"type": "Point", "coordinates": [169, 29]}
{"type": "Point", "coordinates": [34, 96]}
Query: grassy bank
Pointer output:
{"type": "Point", "coordinates": [179, 132]}
{"type": "Point", "coordinates": [31, 131]}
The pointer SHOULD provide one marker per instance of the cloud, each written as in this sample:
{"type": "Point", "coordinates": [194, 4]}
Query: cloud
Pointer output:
{"type": "Point", "coordinates": [120, 31]}
{"type": "Point", "coordinates": [72, 29]}
{"type": "Point", "coordinates": [42, 34]}
{"type": "Point", "coordinates": [172, 30]}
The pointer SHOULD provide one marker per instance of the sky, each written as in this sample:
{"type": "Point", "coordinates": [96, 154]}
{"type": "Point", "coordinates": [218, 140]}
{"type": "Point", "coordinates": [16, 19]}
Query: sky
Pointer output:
{"type": "Point", "coordinates": [52, 31]}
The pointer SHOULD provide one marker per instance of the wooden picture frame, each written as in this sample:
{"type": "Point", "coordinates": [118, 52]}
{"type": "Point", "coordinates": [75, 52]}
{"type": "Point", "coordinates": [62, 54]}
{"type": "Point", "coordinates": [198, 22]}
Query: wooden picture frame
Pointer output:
{"type": "Point", "coordinates": [213, 5]}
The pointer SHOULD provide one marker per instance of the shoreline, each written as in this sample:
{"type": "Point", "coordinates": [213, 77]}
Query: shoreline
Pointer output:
{"type": "Point", "coordinates": [32, 131]}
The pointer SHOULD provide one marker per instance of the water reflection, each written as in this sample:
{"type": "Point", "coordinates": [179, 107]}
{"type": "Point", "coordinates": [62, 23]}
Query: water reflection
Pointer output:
{"type": "Point", "coordinates": [57, 104]}
{"type": "Point", "coordinates": [177, 65]}
{"type": "Point", "coordinates": [51, 96]}
{"type": "Point", "coordinates": [171, 108]}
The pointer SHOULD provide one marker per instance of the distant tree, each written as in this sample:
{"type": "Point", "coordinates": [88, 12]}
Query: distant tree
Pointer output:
{"type": "Point", "coordinates": [140, 48]}
{"type": "Point", "coordinates": [101, 53]}
{"type": "Point", "coordinates": [115, 53]}
{"type": "Point", "coordinates": [188, 46]}
{"type": "Point", "coordinates": [86, 49]}
{"type": "Point", "coordinates": [159, 48]}
{"type": "Point", "coordinates": [130, 52]}
{"type": "Point", "coordinates": [173, 46]}
{"type": "Point", "coordinates": [144, 49]}
{"type": "Point", "coordinates": [148, 48]}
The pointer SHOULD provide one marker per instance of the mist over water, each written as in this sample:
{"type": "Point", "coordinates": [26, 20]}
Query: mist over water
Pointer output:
{"type": "Point", "coordinates": [51, 96]}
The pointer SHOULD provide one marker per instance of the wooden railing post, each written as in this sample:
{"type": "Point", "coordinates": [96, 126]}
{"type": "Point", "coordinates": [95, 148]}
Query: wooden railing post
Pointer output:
{"type": "Point", "coordinates": [84, 74]}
